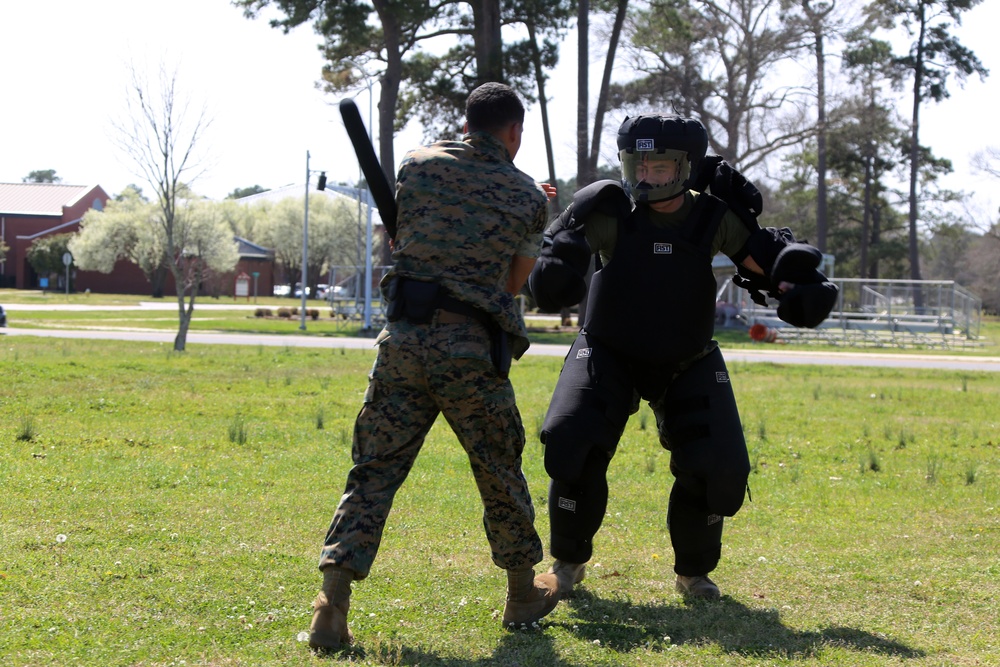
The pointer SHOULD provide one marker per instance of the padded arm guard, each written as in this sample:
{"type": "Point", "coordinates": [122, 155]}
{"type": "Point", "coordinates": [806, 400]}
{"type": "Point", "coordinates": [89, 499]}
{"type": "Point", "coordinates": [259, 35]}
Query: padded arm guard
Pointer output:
{"type": "Point", "coordinates": [783, 259]}
{"type": "Point", "coordinates": [557, 279]}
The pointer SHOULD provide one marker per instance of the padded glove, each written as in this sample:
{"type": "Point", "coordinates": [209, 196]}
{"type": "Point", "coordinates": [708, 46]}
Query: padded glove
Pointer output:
{"type": "Point", "coordinates": [554, 284]}
{"type": "Point", "coordinates": [557, 279]}
{"type": "Point", "coordinates": [786, 260]}
{"type": "Point", "coordinates": [807, 304]}
{"type": "Point", "coordinates": [797, 263]}
{"type": "Point", "coordinates": [572, 248]}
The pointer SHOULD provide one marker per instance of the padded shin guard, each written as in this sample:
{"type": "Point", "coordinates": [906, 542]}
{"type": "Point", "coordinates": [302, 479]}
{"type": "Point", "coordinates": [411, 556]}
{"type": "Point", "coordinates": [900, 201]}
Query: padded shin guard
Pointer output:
{"type": "Point", "coordinates": [577, 510]}
{"type": "Point", "coordinates": [695, 533]}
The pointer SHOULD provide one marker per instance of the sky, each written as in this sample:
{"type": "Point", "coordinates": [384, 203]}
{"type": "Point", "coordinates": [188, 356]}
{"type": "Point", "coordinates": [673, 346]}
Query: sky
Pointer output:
{"type": "Point", "coordinates": [64, 75]}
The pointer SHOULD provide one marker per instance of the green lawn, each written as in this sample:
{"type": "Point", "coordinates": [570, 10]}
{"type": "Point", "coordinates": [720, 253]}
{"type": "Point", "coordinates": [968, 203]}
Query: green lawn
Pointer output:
{"type": "Point", "coordinates": [165, 508]}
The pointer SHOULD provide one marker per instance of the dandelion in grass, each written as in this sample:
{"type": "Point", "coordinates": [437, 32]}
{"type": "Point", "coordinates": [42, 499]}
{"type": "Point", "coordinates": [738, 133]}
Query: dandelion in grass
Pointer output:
{"type": "Point", "coordinates": [302, 636]}
{"type": "Point", "coordinates": [60, 538]}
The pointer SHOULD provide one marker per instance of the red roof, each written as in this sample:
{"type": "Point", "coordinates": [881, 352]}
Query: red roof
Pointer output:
{"type": "Point", "coordinates": [39, 198]}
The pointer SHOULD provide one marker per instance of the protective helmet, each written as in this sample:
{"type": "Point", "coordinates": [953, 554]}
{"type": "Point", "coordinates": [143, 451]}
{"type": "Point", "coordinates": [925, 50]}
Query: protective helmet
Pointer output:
{"type": "Point", "coordinates": [659, 154]}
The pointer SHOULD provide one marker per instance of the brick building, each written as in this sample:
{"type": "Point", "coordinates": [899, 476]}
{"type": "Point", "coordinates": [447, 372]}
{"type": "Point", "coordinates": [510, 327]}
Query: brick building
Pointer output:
{"type": "Point", "coordinates": [29, 211]}
{"type": "Point", "coordinates": [32, 210]}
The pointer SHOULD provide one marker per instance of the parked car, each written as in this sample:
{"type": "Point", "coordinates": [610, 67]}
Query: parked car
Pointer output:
{"type": "Point", "coordinates": [3, 317]}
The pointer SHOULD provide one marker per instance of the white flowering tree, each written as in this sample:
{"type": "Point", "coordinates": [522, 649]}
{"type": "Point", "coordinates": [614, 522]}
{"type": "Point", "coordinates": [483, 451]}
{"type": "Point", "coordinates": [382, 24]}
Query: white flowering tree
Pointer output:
{"type": "Point", "coordinates": [127, 230]}
{"type": "Point", "coordinates": [203, 245]}
{"type": "Point", "coordinates": [124, 230]}
{"type": "Point", "coordinates": [334, 233]}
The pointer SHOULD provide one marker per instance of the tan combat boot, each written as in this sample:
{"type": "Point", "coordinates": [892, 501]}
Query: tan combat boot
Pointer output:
{"type": "Point", "coordinates": [697, 587]}
{"type": "Point", "coordinates": [328, 629]}
{"type": "Point", "coordinates": [529, 598]}
{"type": "Point", "coordinates": [568, 574]}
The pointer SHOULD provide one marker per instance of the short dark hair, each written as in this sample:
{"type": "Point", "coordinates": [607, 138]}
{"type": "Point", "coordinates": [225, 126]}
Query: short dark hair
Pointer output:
{"type": "Point", "coordinates": [493, 106]}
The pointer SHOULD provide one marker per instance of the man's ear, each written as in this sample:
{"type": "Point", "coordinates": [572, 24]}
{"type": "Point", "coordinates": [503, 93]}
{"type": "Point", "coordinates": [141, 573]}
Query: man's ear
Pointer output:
{"type": "Point", "coordinates": [465, 128]}
{"type": "Point", "coordinates": [513, 132]}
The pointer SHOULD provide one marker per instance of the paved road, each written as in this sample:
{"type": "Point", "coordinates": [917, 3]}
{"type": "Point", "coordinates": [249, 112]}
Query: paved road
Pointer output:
{"type": "Point", "coordinates": [773, 355]}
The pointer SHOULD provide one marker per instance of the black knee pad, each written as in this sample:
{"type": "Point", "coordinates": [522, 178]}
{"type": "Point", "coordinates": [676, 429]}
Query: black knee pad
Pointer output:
{"type": "Point", "coordinates": [576, 510]}
{"type": "Point", "coordinates": [588, 411]}
{"type": "Point", "coordinates": [698, 422]}
{"type": "Point", "coordinates": [695, 533]}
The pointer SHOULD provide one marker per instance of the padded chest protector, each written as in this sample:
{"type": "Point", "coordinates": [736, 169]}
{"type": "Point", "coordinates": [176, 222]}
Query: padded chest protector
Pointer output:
{"type": "Point", "coordinates": [655, 300]}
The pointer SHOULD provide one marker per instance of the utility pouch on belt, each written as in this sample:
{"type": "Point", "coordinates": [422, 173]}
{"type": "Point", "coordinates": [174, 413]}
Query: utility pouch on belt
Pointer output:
{"type": "Point", "coordinates": [413, 299]}
{"type": "Point", "coordinates": [500, 350]}
{"type": "Point", "coordinates": [416, 300]}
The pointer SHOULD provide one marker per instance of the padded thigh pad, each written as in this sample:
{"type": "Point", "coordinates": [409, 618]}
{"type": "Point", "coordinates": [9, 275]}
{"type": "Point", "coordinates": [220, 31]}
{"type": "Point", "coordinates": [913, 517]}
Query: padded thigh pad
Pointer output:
{"type": "Point", "coordinates": [709, 452]}
{"type": "Point", "coordinates": [589, 408]}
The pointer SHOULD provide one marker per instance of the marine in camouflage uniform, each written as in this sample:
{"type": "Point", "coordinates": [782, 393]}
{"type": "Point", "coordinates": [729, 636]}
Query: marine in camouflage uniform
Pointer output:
{"type": "Point", "coordinates": [470, 226]}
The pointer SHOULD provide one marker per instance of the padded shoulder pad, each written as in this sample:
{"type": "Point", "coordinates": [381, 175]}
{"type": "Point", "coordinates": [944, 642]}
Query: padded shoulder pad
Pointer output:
{"type": "Point", "coordinates": [702, 179]}
{"type": "Point", "coordinates": [721, 179]}
{"type": "Point", "coordinates": [606, 196]}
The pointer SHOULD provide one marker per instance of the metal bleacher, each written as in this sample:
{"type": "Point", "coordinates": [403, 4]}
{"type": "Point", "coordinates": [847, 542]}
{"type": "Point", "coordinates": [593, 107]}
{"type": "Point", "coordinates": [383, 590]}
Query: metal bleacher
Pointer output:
{"type": "Point", "coordinates": [346, 295]}
{"type": "Point", "coordinates": [876, 313]}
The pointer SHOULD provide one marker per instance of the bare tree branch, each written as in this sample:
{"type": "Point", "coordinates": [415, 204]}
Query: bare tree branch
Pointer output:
{"type": "Point", "coordinates": [160, 133]}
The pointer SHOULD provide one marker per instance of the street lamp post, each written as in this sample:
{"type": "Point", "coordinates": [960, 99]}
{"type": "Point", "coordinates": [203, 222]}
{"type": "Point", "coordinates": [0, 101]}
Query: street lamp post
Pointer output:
{"type": "Point", "coordinates": [320, 185]}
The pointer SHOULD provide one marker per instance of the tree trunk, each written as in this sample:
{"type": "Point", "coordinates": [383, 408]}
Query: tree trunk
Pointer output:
{"type": "Point", "coordinates": [488, 42]}
{"type": "Point", "coordinates": [918, 79]}
{"type": "Point", "coordinates": [184, 316]}
{"type": "Point", "coordinates": [388, 97]}
{"type": "Point", "coordinates": [158, 281]}
{"type": "Point", "coordinates": [873, 272]}
{"type": "Point", "coordinates": [821, 195]}
{"type": "Point", "coordinates": [866, 217]}
{"type": "Point", "coordinates": [583, 176]}
{"type": "Point", "coordinates": [602, 97]}
{"type": "Point", "coordinates": [555, 204]}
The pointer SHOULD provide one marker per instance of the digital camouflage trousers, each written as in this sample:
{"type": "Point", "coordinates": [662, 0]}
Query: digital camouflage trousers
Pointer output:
{"type": "Point", "coordinates": [422, 370]}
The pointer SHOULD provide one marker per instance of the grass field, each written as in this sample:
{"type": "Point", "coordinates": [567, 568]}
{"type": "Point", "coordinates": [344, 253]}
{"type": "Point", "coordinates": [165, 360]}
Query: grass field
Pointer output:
{"type": "Point", "coordinates": [165, 509]}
